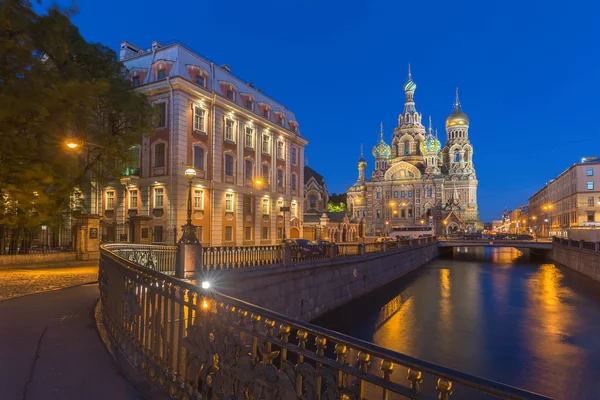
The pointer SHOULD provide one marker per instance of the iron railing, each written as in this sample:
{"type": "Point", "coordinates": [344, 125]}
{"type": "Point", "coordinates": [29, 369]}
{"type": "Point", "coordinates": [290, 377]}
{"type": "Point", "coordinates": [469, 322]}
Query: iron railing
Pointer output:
{"type": "Point", "coordinates": [42, 239]}
{"type": "Point", "coordinates": [578, 244]}
{"type": "Point", "coordinates": [154, 257]}
{"type": "Point", "coordinates": [197, 343]}
{"type": "Point", "coordinates": [239, 257]}
{"type": "Point", "coordinates": [373, 247]}
{"type": "Point", "coordinates": [348, 250]}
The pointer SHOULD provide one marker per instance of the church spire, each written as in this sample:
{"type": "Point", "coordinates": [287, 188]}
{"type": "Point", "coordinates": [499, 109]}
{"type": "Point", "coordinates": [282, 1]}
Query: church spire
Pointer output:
{"type": "Point", "coordinates": [381, 131]}
{"type": "Point", "coordinates": [409, 74]}
{"type": "Point", "coordinates": [430, 126]}
{"type": "Point", "coordinates": [457, 103]}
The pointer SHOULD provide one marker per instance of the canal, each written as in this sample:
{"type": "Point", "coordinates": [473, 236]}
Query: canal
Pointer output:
{"type": "Point", "coordinates": [491, 312]}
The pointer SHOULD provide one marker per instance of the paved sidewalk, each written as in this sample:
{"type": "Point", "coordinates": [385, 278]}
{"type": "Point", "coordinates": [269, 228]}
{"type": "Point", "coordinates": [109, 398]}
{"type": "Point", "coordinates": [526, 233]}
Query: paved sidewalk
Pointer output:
{"type": "Point", "coordinates": [50, 349]}
{"type": "Point", "coordinates": [22, 279]}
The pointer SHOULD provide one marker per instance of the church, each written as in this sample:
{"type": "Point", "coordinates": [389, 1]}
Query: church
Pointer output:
{"type": "Point", "coordinates": [416, 181]}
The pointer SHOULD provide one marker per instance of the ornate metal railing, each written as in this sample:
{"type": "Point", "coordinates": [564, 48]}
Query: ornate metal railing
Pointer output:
{"type": "Point", "coordinates": [309, 252]}
{"type": "Point", "coordinates": [348, 250]}
{"type": "Point", "coordinates": [578, 244]}
{"type": "Point", "coordinates": [154, 257]}
{"type": "Point", "coordinates": [373, 247]}
{"type": "Point", "coordinates": [238, 257]}
{"type": "Point", "coordinates": [200, 344]}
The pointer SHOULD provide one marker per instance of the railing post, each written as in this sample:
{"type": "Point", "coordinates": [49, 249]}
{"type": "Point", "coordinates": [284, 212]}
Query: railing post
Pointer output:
{"type": "Point", "coordinates": [581, 244]}
{"type": "Point", "coordinates": [188, 260]}
{"type": "Point", "coordinates": [383, 246]}
{"type": "Point", "coordinates": [286, 248]}
{"type": "Point", "coordinates": [333, 249]}
{"type": "Point", "coordinates": [362, 249]}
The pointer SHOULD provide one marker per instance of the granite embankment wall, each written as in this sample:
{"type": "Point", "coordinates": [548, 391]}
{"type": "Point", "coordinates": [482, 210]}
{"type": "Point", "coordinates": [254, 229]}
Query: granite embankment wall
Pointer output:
{"type": "Point", "coordinates": [582, 260]}
{"type": "Point", "coordinates": [307, 291]}
{"type": "Point", "coordinates": [37, 258]}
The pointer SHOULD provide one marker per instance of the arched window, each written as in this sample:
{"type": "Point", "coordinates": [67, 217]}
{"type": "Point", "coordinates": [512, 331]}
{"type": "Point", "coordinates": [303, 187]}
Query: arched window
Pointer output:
{"type": "Point", "coordinates": [228, 165]}
{"type": "Point", "coordinates": [467, 155]}
{"type": "Point", "coordinates": [406, 148]}
{"type": "Point", "coordinates": [248, 169]}
{"type": "Point", "coordinates": [265, 173]}
{"type": "Point", "coordinates": [313, 201]}
{"type": "Point", "coordinates": [294, 178]}
{"type": "Point", "coordinates": [198, 157]}
{"type": "Point", "coordinates": [456, 157]}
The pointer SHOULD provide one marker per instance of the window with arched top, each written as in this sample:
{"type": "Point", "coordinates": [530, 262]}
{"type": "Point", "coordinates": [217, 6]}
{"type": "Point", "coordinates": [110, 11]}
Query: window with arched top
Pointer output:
{"type": "Point", "coordinates": [313, 201]}
{"type": "Point", "coordinates": [456, 157]}
{"type": "Point", "coordinates": [467, 155]}
{"type": "Point", "coordinates": [406, 148]}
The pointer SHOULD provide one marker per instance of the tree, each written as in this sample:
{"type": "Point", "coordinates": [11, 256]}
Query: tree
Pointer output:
{"type": "Point", "coordinates": [55, 85]}
{"type": "Point", "coordinates": [337, 203]}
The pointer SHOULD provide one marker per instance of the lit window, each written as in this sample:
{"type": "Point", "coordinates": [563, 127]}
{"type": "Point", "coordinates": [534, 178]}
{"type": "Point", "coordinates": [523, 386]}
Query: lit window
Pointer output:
{"type": "Point", "coordinates": [198, 157]}
{"type": "Point", "coordinates": [265, 233]}
{"type": "Point", "coordinates": [230, 95]}
{"type": "Point", "coordinates": [294, 209]}
{"type": "Point", "coordinates": [199, 119]}
{"type": "Point", "coordinates": [589, 171]}
{"type": "Point", "coordinates": [161, 74]}
{"type": "Point", "coordinates": [249, 104]}
{"type": "Point", "coordinates": [159, 155]}
{"type": "Point", "coordinates": [228, 234]}
{"type": "Point", "coordinates": [228, 202]}
{"type": "Point", "coordinates": [229, 130]}
{"type": "Point", "coordinates": [136, 81]}
{"type": "Point", "coordinates": [294, 156]}
{"type": "Point", "coordinates": [265, 173]}
{"type": "Point", "coordinates": [402, 193]}
{"type": "Point", "coordinates": [266, 141]}
{"type": "Point", "coordinates": [110, 200]}
{"type": "Point", "coordinates": [395, 195]}
{"type": "Point", "coordinates": [228, 165]}
{"type": "Point", "coordinates": [200, 80]}
{"type": "Point", "coordinates": [280, 149]}
{"type": "Point", "coordinates": [248, 233]}
{"type": "Point", "coordinates": [198, 199]}
{"type": "Point", "coordinates": [279, 205]}
{"type": "Point", "coordinates": [265, 206]}
{"type": "Point", "coordinates": [590, 186]}
{"type": "Point", "coordinates": [248, 167]}
{"type": "Point", "coordinates": [279, 177]}
{"type": "Point", "coordinates": [294, 177]}
{"type": "Point", "coordinates": [161, 119]}
{"type": "Point", "coordinates": [158, 197]}
{"type": "Point", "coordinates": [249, 135]}
{"type": "Point", "coordinates": [133, 196]}
{"type": "Point", "coordinates": [410, 193]}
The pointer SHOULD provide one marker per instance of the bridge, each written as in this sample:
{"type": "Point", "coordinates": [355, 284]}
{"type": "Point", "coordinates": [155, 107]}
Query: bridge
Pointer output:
{"type": "Point", "coordinates": [522, 244]}
{"type": "Point", "coordinates": [191, 341]}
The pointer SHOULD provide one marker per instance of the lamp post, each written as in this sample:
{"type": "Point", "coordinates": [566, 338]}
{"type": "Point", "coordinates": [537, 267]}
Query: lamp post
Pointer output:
{"type": "Point", "coordinates": [189, 230]}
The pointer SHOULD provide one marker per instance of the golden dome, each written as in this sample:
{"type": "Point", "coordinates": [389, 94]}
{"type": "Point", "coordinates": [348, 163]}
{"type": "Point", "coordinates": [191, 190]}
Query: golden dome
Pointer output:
{"type": "Point", "coordinates": [457, 118]}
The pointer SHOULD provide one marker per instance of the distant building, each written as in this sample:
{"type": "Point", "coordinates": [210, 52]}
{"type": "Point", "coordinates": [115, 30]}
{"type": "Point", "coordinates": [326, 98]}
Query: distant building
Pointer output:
{"type": "Point", "coordinates": [416, 180]}
{"type": "Point", "coordinates": [246, 149]}
{"type": "Point", "coordinates": [319, 223]}
{"type": "Point", "coordinates": [569, 205]}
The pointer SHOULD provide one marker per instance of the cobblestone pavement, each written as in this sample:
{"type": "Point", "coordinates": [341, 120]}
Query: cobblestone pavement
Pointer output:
{"type": "Point", "coordinates": [20, 280]}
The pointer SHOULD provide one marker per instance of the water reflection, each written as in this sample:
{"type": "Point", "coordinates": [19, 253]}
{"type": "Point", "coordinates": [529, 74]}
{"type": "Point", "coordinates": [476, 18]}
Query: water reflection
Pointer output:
{"type": "Point", "coordinates": [492, 313]}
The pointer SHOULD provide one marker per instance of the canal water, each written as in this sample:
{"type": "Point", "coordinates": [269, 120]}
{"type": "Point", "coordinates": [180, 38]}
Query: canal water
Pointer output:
{"type": "Point", "coordinates": [491, 312]}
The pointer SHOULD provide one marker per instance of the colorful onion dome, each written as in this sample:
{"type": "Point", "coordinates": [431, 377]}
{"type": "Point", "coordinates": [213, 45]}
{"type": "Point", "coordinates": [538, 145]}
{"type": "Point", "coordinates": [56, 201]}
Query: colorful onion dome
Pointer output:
{"type": "Point", "coordinates": [409, 85]}
{"type": "Point", "coordinates": [382, 149]}
{"type": "Point", "coordinates": [430, 145]}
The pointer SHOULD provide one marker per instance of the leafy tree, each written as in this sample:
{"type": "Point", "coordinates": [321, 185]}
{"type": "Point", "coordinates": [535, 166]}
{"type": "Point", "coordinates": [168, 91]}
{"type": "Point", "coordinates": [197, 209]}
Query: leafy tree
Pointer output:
{"type": "Point", "coordinates": [53, 86]}
{"type": "Point", "coordinates": [337, 203]}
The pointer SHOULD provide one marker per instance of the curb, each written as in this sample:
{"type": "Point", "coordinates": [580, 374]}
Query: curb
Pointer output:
{"type": "Point", "coordinates": [146, 388]}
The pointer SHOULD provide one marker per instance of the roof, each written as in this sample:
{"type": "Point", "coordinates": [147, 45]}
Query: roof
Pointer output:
{"type": "Point", "coordinates": [337, 216]}
{"type": "Point", "coordinates": [311, 173]}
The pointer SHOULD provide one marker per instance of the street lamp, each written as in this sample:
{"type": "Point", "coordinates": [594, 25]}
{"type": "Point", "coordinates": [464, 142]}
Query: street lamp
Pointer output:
{"type": "Point", "coordinates": [422, 222]}
{"type": "Point", "coordinates": [189, 230]}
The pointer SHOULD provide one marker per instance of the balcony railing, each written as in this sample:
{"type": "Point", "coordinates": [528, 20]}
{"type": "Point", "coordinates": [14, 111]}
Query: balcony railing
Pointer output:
{"type": "Point", "coordinates": [195, 343]}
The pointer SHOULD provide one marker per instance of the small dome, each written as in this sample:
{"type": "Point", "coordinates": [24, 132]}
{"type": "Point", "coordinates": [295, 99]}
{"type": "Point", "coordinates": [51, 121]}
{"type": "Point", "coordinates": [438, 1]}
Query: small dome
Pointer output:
{"type": "Point", "coordinates": [457, 118]}
{"type": "Point", "coordinates": [410, 86]}
{"type": "Point", "coordinates": [430, 145]}
{"type": "Point", "coordinates": [382, 149]}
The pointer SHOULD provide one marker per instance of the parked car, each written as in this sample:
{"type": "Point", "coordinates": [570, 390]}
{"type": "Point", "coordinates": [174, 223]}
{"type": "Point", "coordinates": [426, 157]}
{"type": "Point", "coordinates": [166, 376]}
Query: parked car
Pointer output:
{"type": "Point", "coordinates": [321, 242]}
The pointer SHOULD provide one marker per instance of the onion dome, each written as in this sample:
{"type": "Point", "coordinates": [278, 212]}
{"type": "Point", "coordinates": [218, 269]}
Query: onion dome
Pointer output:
{"type": "Point", "coordinates": [457, 117]}
{"type": "Point", "coordinates": [409, 85]}
{"type": "Point", "coordinates": [430, 145]}
{"type": "Point", "coordinates": [382, 149]}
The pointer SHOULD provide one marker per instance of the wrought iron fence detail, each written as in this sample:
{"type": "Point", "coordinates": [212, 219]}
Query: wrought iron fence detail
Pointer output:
{"type": "Point", "coordinates": [195, 343]}
{"type": "Point", "coordinates": [240, 256]}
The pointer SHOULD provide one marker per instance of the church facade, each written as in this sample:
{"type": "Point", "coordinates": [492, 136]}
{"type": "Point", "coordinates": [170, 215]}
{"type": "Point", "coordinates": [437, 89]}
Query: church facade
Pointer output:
{"type": "Point", "coordinates": [418, 181]}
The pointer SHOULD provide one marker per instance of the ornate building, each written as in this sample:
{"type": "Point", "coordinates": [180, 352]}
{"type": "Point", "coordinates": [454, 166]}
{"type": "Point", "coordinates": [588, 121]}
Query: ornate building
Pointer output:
{"type": "Point", "coordinates": [416, 180]}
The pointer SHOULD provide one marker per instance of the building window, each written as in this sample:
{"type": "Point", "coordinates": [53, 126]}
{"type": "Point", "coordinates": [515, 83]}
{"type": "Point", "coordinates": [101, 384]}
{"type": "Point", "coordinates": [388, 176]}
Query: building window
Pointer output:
{"type": "Point", "coordinates": [157, 235]}
{"type": "Point", "coordinates": [199, 157]}
{"type": "Point", "coordinates": [280, 149]}
{"type": "Point", "coordinates": [410, 193]}
{"type": "Point", "coordinates": [228, 202]}
{"type": "Point", "coordinates": [279, 205]}
{"type": "Point", "coordinates": [265, 233]}
{"type": "Point", "coordinates": [590, 201]}
{"type": "Point", "coordinates": [266, 113]}
{"type": "Point", "coordinates": [428, 192]}
{"type": "Point", "coordinates": [229, 130]}
{"type": "Point", "coordinates": [248, 233]}
{"type": "Point", "coordinates": [313, 201]}
{"type": "Point", "coordinates": [591, 216]}
{"type": "Point", "coordinates": [395, 195]}
{"type": "Point", "coordinates": [249, 135]}
{"type": "Point", "coordinates": [410, 213]}
{"type": "Point", "coordinates": [198, 199]}
{"type": "Point", "coordinates": [589, 171]}
{"type": "Point", "coordinates": [230, 95]}
{"type": "Point", "coordinates": [294, 184]}
{"type": "Point", "coordinates": [161, 74]}
{"type": "Point", "coordinates": [136, 81]}
{"type": "Point", "coordinates": [378, 213]}
{"type": "Point", "coordinates": [110, 200]}
{"type": "Point", "coordinates": [265, 173]}
{"type": "Point", "coordinates": [403, 213]}
{"type": "Point", "coordinates": [280, 177]}
{"type": "Point", "coordinates": [590, 186]}
{"type": "Point", "coordinates": [294, 156]}
{"type": "Point", "coordinates": [280, 120]}
{"type": "Point", "coordinates": [265, 206]}
{"type": "Point", "coordinates": [248, 204]}
{"type": "Point", "coordinates": [249, 104]}
{"type": "Point", "coordinates": [161, 119]}
{"type": "Point", "coordinates": [248, 167]}
{"type": "Point", "coordinates": [159, 197]}
{"type": "Point", "coordinates": [456, 157]}
{"type": "Point", "coordinates": [200, 80]}
{"type": "Point", "coordinates": [402, 193]}
{"type": "Point", "coordinates": [228, 234]}
{"type": "Point", "coordinates": [159, 155]}
{"type": "Point", "coordinates": [378, 195]}
{"type": "Point", "coordinates": [133, 194]}
{"type": "Point", "coordinates": [199, 114]}
{"type": "Point", "coordinates": [294, 209]}
{"type": "Point", "coordinates": [279, 233]}
{"type": "Point", "coordinates": [266, 141]}
{"type": "Point", "coordinates": [228, 165]}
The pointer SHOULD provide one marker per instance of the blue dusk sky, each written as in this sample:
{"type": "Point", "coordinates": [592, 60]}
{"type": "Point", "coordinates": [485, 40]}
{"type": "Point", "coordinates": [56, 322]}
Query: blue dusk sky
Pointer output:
{"type": "Point", "coordinates": [527, 72]}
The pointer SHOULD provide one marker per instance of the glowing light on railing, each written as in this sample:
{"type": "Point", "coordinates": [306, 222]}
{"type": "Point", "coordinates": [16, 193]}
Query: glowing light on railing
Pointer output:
{"type": "Point", "coordinates": [204, 304]}
{"type": "Point", "coordinates": [205, 284]}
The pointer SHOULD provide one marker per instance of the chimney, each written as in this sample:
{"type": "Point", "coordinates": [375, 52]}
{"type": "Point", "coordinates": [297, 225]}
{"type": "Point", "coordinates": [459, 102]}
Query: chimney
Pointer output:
{"type": "Point", "coordinates": [128, 50]}
{"type": "Point", "coordinates": [227, 68]}
{"type": "Point", "coordinates": [156, 45]}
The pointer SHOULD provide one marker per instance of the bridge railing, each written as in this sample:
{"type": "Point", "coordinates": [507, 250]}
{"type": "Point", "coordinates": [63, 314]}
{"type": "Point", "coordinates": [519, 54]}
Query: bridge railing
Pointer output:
{"type": "Point", "coordinates": [154, 257]}
{"type": "Point", "coordinates": [240, 256]}
{"type": "Point", "coordinates": [196, 343]}
{"type": "Point", "coordinates": [577, 244]}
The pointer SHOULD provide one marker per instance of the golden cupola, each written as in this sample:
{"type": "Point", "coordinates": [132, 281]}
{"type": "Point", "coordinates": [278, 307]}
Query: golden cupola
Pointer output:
{"type": "Point", "coordinates": [457, 117]}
